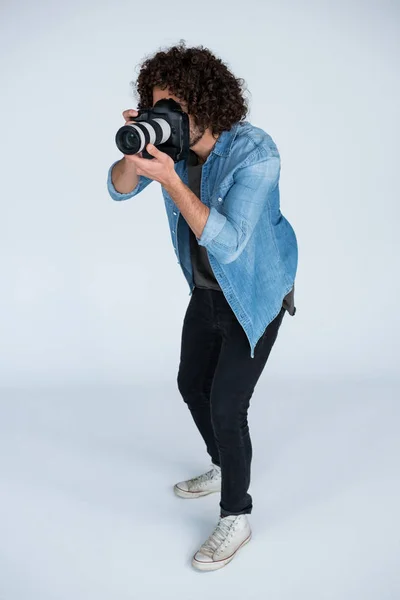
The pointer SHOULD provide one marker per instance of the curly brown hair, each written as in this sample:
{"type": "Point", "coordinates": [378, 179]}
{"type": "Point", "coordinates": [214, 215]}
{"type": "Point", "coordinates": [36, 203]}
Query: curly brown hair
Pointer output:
{"type": "Point", "coordinates": [214, 96]}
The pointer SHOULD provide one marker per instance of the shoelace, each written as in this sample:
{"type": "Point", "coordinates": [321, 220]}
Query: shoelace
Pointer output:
{"type": "Point", "coordinates": [218, 536]}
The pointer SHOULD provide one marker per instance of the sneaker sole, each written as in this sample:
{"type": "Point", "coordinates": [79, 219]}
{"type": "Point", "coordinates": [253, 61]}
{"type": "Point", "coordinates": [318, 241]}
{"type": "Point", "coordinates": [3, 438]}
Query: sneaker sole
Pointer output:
{"type": "Point", "coordinates": [188, 495]}
{"type": "Point", "coordinates": [218, 564]}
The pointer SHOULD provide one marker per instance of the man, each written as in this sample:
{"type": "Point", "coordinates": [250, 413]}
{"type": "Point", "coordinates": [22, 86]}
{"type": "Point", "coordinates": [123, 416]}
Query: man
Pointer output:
{"type": "Point", "coordinates": [238, 254]}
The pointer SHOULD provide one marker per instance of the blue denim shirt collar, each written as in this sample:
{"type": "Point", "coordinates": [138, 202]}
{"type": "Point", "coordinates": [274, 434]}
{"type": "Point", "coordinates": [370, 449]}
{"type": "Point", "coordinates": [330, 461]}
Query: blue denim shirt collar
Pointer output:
{"type": "Point", "coordinates": [224, 143]}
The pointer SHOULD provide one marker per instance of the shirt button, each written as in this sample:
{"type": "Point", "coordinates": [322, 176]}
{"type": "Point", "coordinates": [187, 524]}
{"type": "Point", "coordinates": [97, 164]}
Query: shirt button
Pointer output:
{"type": "Point", "coordinates": [219, 199]}
{"type": "Point", "coordinates": [173, 231]}
{"type": "Point", "coordinates": [174, 212]}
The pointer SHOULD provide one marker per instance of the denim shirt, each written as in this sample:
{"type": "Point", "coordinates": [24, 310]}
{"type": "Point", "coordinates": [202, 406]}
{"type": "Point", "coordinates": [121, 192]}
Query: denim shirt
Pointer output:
{"type": "Point", "coordinates": [251, 246]}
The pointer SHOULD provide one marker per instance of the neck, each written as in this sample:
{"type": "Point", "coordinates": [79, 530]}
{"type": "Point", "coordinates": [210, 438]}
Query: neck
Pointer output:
{"type": "Point", "coordinates": [204, 146]}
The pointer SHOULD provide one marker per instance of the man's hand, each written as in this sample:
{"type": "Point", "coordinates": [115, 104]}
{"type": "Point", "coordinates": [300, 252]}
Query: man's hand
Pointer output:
{"type": "Point", "coordinates": [128, 114]}
{"type": "Point", "coordinates": [161, 168]}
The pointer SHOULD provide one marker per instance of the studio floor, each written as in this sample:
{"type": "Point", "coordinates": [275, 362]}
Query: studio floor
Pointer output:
{"type": "Point", "coordinates": [87, 508]}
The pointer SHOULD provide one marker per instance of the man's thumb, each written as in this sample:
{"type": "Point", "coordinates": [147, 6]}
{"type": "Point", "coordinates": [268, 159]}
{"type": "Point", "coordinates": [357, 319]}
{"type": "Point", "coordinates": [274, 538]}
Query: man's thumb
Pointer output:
{"type": "Point", "coordinates": [152, 149]}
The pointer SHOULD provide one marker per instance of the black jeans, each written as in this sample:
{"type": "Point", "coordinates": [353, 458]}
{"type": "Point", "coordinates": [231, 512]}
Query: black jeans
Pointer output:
{"type": "Point", "coordinates": [216, 379]}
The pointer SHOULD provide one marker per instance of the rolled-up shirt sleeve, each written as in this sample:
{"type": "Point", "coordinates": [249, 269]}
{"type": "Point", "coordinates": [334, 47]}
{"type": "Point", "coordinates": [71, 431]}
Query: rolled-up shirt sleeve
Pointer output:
{"type": "Point", "coordinates": [141, 185]}
{"type": "Point", "coordinates": [226, 233]}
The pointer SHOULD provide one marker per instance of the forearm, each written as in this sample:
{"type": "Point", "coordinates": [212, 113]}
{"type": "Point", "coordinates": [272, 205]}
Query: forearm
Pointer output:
{"type": "Point", "coordinates": [124, 176]}
{"type": "Point", "coordinates": [192, 208]}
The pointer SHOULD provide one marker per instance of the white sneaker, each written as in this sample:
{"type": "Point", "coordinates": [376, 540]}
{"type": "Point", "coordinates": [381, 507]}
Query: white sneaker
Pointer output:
{"type": "Point", "coordinates": [204, 484]}
{"type": "Point", "coordinates": [220, 548]}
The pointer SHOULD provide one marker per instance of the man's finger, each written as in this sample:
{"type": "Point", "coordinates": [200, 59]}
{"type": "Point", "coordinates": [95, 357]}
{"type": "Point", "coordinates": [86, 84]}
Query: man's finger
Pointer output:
{"type": "Point", "coordinates": [139, 162]}
{"type": "Point", "coordinates": [151, 149]}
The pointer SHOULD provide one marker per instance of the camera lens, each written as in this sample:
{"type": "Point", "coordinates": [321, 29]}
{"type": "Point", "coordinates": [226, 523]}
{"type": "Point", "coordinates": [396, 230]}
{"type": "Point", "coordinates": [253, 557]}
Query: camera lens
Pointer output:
{"type": "Point", "coordinates": [130, 140]}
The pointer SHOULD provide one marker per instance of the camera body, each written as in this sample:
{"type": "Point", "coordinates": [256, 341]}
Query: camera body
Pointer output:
{"type": "Point", "coordinates": [165, 125]}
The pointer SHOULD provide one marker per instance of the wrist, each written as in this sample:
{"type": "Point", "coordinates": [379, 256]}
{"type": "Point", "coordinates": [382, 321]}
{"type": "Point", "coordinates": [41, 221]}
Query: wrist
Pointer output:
{"type": "Point", "coordinates": [172, 182]}
{"type": "Point", "coordinates": [128, 166]}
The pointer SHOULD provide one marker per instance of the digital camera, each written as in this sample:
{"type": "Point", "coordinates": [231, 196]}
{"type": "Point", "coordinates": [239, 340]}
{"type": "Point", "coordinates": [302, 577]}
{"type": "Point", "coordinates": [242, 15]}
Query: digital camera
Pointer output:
{"type": "Point", "coordinates": [165, 125]}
